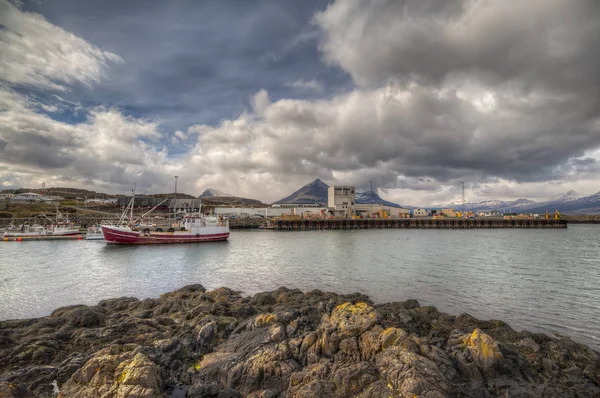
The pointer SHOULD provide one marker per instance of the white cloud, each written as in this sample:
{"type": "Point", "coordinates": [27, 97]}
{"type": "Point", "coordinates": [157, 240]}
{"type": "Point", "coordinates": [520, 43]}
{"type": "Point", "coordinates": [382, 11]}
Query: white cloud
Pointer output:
{"type": "Point", "coordinates": [108, 147]}
{"type": "Point", "coordinates": [35, 52]}
{"type": "Point", "coordinates": [432, 107]}
{"type": "Point", "coordinates": [307, 85]}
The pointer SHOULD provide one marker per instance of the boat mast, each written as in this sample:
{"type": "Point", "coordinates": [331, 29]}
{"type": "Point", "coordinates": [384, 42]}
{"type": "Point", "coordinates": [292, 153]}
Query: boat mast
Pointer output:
{"type": "Point", "coordinates": [132, 200]}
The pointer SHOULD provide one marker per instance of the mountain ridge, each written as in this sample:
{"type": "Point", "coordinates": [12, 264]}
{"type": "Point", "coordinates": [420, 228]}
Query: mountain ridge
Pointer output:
{"type": "Point", "coordinates": [311, 193]}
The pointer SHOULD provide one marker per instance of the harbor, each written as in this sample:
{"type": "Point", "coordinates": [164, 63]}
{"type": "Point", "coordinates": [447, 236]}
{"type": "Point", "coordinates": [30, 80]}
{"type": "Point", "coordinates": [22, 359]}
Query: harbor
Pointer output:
{"type": "Point", "coordinates": [429, 223]}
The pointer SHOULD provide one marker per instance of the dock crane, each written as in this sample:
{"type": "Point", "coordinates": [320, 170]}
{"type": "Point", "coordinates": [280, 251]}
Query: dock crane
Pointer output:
{"type": "Point", "coordinates": [556, 215]}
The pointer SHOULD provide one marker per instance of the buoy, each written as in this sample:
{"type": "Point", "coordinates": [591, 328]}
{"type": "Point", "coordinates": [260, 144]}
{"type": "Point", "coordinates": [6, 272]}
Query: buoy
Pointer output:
{"type": "Point", "coordinates": [19, 239]}
{"type": "Point", "coordinates": [79, 237]}
{"type": "Point", "coordinates": [5, 239]}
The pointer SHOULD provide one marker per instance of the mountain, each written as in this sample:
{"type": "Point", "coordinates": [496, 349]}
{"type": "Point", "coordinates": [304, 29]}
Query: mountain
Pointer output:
{"type": "Point", "coordinates": [213, 192]}
{"type": "Point", "coordinates": [371, 197]}
{"type": "Point", "coordinates": [311, 193]}
{"type": "Point", "coordinates": [568, 203]}
{"type": "Point", "coordinates": [514, 205]}
{"type": "Point", "coordinates": [583, 205]}
{"type": "Point", "coordinates": [569, 196]}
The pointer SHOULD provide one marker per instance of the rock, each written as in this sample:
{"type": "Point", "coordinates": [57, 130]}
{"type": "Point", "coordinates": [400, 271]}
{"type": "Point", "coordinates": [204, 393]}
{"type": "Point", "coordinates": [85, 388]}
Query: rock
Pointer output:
{"type": "Point", "coordinates": [351, 320]}
{"type": "Point", "coordinates": [284, 343]}
{"type": "Point", "coordinates": [484, 351]}
{"type": "Point", "coordinates": [121, 375]}
{"type": "Point", "coordinates": [409, 374]}
{"type": "Point", "coordinates": [529, 344]}
{"type": "Point", "coordinates": [81, 316]}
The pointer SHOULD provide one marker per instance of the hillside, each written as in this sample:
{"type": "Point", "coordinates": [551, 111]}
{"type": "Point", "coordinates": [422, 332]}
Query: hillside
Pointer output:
{"type": "Point", "coordinates": [230, 201]}
{"type": "Point", "coordinates": [180, 195]}
{"type": "Point", "coordinates": [67, 193]}
{"type": "Point", "coordinates": [311, 193]}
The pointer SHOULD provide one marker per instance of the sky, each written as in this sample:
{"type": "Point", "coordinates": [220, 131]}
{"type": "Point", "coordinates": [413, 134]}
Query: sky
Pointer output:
{"type": "Point", "coordinates": [257, 98]}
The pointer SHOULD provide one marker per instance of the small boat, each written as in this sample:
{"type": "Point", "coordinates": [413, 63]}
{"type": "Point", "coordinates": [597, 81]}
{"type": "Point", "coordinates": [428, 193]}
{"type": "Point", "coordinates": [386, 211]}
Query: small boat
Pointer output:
{"type": "Point", "coordinates": [196, 228]}
{"type": "Point", "coordinates": [94, 233]}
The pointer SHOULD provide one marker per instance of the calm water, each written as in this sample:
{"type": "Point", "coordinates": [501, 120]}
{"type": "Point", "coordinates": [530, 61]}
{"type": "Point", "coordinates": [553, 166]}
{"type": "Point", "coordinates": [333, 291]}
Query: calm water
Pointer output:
{"type": "Point", "coordinates": [540, 280]}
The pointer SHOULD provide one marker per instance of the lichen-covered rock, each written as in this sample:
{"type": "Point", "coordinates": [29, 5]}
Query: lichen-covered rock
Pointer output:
{"type": "Point", "coordinates": [109, 374]}
{"type": "Point", "coordinates": [218, 343]}
{"type": "Point", "coordinates": [352, 320]}
{"type": "Point", "coordinates": [484, 351]}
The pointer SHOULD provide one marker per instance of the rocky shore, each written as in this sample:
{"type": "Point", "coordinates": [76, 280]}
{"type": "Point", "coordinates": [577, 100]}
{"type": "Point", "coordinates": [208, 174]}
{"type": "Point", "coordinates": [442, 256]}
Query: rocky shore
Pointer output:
{"type": "Point", "coordinates": [285, 343]}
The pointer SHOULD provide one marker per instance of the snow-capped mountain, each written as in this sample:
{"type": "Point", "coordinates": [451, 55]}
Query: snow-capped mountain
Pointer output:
{"type": "Point", "coordinates": [313, 192]}
{"type": "Point", "coordinates": [582, 205]}
{"type": "Point", "coordinates": [569, 203]}
{"type": "Point", "coordinates": [213, 192]}
{"type": "Point", "coordinates": [496, 204]}
{"type": "Point", "coordinates": [371, 197]}
{"type": "Point", "coordinates": [569, 196]}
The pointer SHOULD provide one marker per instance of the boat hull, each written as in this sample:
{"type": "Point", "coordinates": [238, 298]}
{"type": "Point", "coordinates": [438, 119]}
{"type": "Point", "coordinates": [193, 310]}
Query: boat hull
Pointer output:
{"type": "Point", "coordinates": [125, 236]}
{"type": "Point", "coordinates": [99, 236]}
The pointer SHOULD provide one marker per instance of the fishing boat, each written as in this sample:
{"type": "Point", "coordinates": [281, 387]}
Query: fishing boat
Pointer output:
{"type": "Point", "coordinates": [58, 227]}
{"type": "Point", "coordinates": [196, 228]}
{"type": "Point", "coordinates": [29, 231]}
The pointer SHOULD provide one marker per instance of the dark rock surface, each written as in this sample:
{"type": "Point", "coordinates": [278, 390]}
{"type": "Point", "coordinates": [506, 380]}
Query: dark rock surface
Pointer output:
{"type": "Point", "coordinates": [283, 343]}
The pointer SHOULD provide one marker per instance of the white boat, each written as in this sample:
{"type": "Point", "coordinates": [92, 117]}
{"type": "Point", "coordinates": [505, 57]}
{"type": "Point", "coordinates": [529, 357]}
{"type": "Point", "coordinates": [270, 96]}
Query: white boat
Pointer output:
{"type": "Point", "coordinates": [59, 227]}
{"type": "Point", "coordinates": [28, 231]}
{"type": "Point", "coordinates": [94, 233]}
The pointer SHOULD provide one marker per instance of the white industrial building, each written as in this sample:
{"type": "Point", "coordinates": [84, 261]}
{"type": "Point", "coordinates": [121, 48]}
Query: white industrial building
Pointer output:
{"type": "Point", "coordinates": [340, 200]}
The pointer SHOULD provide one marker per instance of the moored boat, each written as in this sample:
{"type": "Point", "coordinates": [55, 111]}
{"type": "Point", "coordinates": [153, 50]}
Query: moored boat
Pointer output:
{"type": "Point", "coordinates": [94, 233]}
{"type": "Point", "coordinates": [197, 228]}
{"type": "Point", "coordinates": [27, 231]}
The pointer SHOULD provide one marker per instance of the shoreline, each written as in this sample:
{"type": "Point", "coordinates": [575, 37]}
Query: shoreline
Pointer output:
{"type": "Point", "coordinates": [194, 342]}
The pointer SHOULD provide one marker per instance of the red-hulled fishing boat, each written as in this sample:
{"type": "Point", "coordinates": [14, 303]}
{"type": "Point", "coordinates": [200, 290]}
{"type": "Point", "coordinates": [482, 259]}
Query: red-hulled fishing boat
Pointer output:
{"type": "Point", "coordinates": [196, 228]}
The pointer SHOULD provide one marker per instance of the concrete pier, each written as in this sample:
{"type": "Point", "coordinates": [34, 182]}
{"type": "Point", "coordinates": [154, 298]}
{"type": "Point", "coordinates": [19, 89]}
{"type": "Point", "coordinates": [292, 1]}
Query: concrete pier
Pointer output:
{"type": "Point", "coordinates": [414, 223]}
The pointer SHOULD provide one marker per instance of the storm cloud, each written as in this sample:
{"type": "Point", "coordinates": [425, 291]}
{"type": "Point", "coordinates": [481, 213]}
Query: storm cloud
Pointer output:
{"type": "Point", "coordinates": [415, 96]}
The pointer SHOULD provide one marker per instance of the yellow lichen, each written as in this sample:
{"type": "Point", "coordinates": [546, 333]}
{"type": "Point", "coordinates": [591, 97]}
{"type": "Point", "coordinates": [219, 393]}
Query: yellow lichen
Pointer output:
{"type": "Point", "coordinates": [484, 344]}
{"type": "Point", "coordinates": [265, 319]}
{"type": "Point", "coordinates": [352, 308]}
